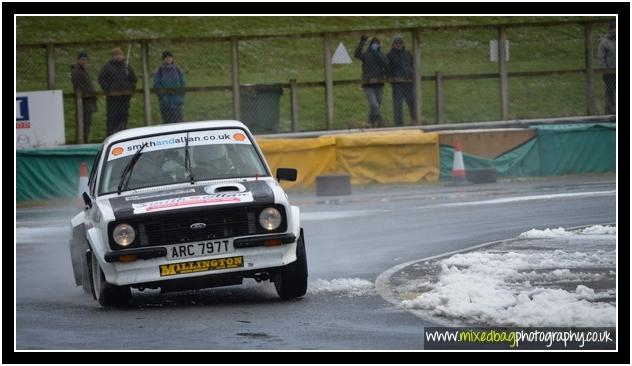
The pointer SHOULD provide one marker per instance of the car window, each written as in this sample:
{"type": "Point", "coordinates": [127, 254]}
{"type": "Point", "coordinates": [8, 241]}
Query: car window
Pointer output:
{"type": "Point", "coordinates": [214, 154]}
{"type": "Point", "coordinates": [93, 171]}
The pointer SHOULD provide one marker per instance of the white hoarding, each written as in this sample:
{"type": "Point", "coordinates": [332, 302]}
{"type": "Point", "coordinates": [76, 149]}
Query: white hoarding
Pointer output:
{"type": "Point", "coordinates": [39, 119]}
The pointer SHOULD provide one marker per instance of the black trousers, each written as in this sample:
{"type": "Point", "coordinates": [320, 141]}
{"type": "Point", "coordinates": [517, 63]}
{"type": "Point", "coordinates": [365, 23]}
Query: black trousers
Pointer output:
{"type": "Point", "coordinates": [117, 113]}
{"type": "Point", "coordinates": [87, 122]}
{"type": "Point", "coordinates": [611, 89]}
{"type": "Point", "coordinates": [171, 114]}
{"type": "Point", "coordinates": [403, 92]}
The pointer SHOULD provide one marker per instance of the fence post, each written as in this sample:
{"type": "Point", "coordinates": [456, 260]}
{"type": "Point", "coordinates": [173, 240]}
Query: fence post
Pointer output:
{"type": "Point", "coordinates": [146, 92]}
{"type": "Point", "coordinates": [79, 116]}
{"type": "Point", "coordinates": [590, 76]}
{"type": "Point", "coordinates": [294, 105]}
{"type": "Point", "coordinates": [502, 69]}
{"type": "Point", "coordinates": [329, 83]}
{"type": "Point", "coordinates": [234, 58]}
{"type": "Point", "coordinates": [439, 95]}
{"type": "Point", "coordinates": [417, 73]}
{"type": "Point", "coordinates": [50, 65]}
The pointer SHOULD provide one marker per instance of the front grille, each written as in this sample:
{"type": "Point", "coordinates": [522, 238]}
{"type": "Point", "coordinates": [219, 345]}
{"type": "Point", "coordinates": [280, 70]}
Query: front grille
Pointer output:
{"type": "Point", "coordinates": [176, 228]}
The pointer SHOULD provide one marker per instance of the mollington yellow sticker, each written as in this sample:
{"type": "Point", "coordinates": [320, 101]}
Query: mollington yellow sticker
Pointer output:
{"type": "Point", "coordinates": [201, 266]}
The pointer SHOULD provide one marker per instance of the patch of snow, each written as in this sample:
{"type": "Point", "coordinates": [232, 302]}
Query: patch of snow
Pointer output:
{"type": "Point", "coordinates": [561, 272]}
{"type": "Point", "coordinates": [348, 286]}
{"type": "Point", "coordinates": [546, 233]}
{"type": "Point", "coordinates": [585, 293]}
{"type": "Point", "coordinates": [498, 288]}
{"type": "Point", "coordinates": [606, 294]}
{"type": "Point", "coordinates": [599, 230]}
{"type": "Point", "coordinates": [509, 263]}
{"type": "Point", "coordinates": [562, 233]}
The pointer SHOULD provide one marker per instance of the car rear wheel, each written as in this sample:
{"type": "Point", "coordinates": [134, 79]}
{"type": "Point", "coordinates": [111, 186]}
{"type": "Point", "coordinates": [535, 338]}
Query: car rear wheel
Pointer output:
{"type": "Point", "coordinates": [107, 294]}
{"type": "Point", "coordinates": [291, 281]}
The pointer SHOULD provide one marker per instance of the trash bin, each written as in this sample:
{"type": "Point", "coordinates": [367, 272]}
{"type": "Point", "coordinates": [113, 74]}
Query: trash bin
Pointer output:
{"type": "Point", "coordinates": [260, 107]}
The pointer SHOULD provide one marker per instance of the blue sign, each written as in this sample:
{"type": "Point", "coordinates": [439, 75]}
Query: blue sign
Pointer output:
{"type": "Point", "coordinates": [21, 109]}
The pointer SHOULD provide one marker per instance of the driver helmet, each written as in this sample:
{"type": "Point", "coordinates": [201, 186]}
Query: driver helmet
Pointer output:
{"type": "Point", "coordinates": [210, 154]}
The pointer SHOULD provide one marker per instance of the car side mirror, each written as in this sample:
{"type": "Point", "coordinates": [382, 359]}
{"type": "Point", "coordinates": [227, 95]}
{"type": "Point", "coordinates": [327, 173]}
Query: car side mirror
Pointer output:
{"type": "Point", "coordinates": [286, 174]}
{"type": "Point", "coordinates": [87, 200]}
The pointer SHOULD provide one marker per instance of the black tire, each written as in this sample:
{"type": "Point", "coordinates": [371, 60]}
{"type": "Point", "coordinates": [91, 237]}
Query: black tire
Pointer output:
{"type": "Point", "coordinates": [78, 245]}
{"type": "Point", "coordinates": [291, 281]}
{"type": "Point", "coordinates": [107, 294]}
{"type": "Point", "coordinates": [75, 261]}
{"type": "Point", "coordinates": [86, 274]}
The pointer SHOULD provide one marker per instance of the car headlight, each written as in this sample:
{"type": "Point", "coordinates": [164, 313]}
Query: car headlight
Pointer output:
{"type": "Point", "coordinates": [270, 218]}
{"type": "Point", "coordinates": [124, 234]}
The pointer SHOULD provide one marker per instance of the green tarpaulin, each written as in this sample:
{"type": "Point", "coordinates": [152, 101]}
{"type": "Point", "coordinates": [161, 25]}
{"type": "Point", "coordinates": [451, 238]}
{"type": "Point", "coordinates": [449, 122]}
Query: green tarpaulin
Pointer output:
{"type": "Point", "coordinates": [576, 149]}
{"type": "Point", "coordinates": [556, 150]}
{"type": "Point", "coordinates": [51, 173]}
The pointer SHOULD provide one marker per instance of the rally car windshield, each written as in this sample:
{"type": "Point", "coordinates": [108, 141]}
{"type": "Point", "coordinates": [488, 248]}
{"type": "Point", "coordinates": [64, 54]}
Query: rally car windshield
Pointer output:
{"type": "Point", "coordinates": [213, 154]}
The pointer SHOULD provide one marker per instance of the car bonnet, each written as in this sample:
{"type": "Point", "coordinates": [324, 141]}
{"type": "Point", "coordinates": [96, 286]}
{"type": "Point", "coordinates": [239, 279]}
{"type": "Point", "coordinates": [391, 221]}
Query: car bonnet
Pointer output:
{"type": "Point", "coordinates": [185, 199]}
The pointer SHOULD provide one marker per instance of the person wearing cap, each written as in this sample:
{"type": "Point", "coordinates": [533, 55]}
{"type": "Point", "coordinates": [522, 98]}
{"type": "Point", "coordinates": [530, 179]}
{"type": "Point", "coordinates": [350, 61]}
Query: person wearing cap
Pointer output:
{"type": "Point", "coordinates": [608, 60]}
{"type": "Point", "coordinates": [82, 83]}
{"type": "Point", "coordinates": [169, 80]}
{"type": "Point", "coordinates": [118, 80]}
{"type": "Point", "coordinates": [400, 63]}
{"type": "Point", "coordinates": [374, 68]}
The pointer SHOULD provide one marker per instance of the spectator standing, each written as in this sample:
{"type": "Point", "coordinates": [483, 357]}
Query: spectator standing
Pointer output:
{"type": "Point", "coordinates": [167, 78]}
{"type": "Point", "coordinates": [608, 60]}
{"type": "Point", "coordinates": [82, 83]}
{"type": "Point", "coordinates": [374, 68]}
{"type": "Point", "coordinates": [400, 63]}
{"type": "Point", "coordinates": [118, 79]}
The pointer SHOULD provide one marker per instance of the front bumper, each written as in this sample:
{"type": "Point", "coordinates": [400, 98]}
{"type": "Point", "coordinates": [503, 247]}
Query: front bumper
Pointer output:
{"type": "Point", "coordinates": [157, 252]}
{"type": "Point", "coordinates": [149, 270]}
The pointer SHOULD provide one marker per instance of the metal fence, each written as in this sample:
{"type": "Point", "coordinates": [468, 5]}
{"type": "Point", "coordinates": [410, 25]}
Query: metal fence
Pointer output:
{"type": "Point", "coordinates": [282, 83]}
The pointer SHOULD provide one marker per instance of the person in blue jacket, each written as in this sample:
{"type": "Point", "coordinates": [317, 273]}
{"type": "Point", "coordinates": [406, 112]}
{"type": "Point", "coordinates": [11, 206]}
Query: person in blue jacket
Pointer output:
{"type": "Point", "coordinates": [169, 81]}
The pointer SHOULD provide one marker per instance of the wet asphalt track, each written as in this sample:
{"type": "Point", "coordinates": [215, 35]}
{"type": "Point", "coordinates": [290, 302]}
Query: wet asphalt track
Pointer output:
{"type": "Point", "coordinates": [357, 236]}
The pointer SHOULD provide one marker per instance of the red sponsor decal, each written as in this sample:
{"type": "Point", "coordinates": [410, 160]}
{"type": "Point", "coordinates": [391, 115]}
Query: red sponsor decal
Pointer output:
{"type": "Point", "coordinates": [23, 124]}
{"type": "Point", "coordinates": [193, 202]}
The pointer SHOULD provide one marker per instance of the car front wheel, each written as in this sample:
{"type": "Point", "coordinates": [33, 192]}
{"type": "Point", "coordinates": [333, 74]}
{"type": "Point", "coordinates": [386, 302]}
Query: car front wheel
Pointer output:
{"type": "Point", "coordinates": [291, 281]}
{"type": "Point", "coordinates": [107, 294]}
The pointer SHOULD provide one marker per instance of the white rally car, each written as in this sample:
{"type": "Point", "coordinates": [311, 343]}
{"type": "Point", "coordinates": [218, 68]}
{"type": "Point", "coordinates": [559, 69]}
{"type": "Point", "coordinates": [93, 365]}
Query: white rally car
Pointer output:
{"type": "Point", "coordinates": [185, 206]}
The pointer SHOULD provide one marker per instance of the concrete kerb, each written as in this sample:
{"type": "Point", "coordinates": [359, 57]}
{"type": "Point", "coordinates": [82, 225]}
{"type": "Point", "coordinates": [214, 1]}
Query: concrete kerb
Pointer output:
{"type": "Point", "coordinates": [383, 288]}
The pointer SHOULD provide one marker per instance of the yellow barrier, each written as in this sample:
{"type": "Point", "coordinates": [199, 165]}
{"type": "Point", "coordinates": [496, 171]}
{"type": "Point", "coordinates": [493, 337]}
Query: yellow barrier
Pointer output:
{"type": "Point", "coordinates": [311, 157]}
{"type": "Point", "coordinates": [371, 157]}
{"type": "Point", "coordinates": [389, 157]}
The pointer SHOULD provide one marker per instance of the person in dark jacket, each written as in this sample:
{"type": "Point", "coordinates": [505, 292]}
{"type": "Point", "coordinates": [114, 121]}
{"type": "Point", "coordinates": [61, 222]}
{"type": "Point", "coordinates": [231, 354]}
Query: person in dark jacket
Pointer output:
{"type": "Point", "coordinates": [400, 63]}
{"type": "Point", "coordinates": [82, 83]}
{"type": "Point", "coordinates": [167, 77]}
{"type": "Point", "coordinates": [374, 68]}
{"type": "Point", "coordinates": [118, 78]}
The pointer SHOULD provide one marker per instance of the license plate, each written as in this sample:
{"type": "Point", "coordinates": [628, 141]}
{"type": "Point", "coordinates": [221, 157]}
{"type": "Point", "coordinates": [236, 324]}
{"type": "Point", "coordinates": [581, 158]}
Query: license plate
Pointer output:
{"type": "Point", "coordinates": [192, 250]}
{"type": "Point", "coordinates": [204, 265]}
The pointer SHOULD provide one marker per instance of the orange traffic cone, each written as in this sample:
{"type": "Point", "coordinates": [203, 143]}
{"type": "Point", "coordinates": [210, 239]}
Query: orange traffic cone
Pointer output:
{"type": "Point", "coordinates": [83, 178]}
{"type": "Point", "coordinates": [458, 168]}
